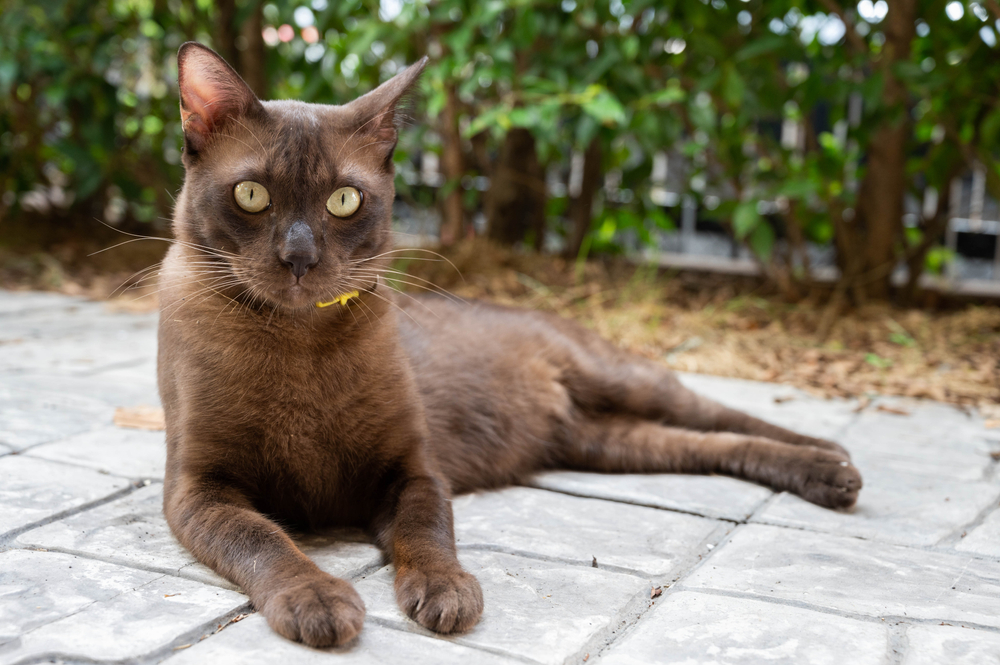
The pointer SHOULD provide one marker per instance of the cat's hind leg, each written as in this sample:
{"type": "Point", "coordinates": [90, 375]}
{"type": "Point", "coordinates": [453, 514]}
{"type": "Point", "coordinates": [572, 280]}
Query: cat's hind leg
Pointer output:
{"type": "Point", "coordinates": [630, 385]}
{"type": "Point", "coordinates": [621, 444]}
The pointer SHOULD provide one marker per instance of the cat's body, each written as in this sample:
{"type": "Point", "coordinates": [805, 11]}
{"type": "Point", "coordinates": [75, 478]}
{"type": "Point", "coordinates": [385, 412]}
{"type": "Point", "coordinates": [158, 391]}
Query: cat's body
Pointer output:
{"type": "Point", "coordinates": [368, 411]}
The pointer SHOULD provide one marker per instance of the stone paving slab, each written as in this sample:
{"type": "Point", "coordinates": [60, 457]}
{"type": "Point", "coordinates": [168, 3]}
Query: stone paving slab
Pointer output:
{"type": "Point", "coordinates": [144, 615]}
{"type": "Point", "coordinates": [936, 645]}
{"type": "Point", "coordinates": [30, 599]}
{"type": "Point", "coordinates": [539, 610]}
{"type": "Point", "coordinates": [568, 528]}
{"type": "Point", "coordinates": [251, 642]}
{"type": "Point", "coordinates": [985, 538]}
{"type": "Point", "coordinates": [80, 356]}
{"type": "Point", "coordinates": [32, 490]}
{"type": "Point", "coordinates": [934, 440]}
{"type": "Point", "coordinates": [795, 409]}
{"type": "Point", "coordinates": [710, 496]}
{"type": "Point", "coordinates": [123, 386]}
{"type": "Point", "coordinates": [689, 627]}
{"type": "Point", "coordinates": [20, 303]}
{"type": "Point", "coordinates": [133, 531]}
{"type": "Point", "coordinates": [30, 416]}
{"type": "Point", "coordinates": [122, 452]}
{"type": "Point", "coordinates": [894, 507]}
{"type": "Point", "coordinates": [853, 576]}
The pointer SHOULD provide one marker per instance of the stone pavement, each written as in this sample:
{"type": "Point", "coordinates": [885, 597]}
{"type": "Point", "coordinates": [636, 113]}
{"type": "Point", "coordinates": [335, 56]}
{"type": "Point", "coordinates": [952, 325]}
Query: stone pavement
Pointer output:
{"type": "Point", "coordinates": [570, 567]}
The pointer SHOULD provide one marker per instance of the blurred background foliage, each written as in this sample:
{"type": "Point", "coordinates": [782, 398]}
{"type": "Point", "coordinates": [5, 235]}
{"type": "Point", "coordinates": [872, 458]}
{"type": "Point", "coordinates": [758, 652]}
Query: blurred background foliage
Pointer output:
{"type": "Point", "coordinates": [572, 126]}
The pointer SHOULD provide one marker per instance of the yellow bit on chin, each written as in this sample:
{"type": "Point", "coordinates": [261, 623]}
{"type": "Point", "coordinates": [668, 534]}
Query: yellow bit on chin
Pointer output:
{"type": "Point", "coordinates": [342, 299]}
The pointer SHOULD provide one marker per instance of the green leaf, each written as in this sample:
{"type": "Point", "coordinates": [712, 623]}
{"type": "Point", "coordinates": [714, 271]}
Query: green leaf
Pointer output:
{"type": "Point", "coordinates": [605, 109]}
{"type": "Point", "coordinates": [759, 47]}
{"type": "Point", "coordinates": [745, 219]}
{"type": "Point", "coordinates": [762, 241]}
{"type": "Point", "coordinates": [733, 87]}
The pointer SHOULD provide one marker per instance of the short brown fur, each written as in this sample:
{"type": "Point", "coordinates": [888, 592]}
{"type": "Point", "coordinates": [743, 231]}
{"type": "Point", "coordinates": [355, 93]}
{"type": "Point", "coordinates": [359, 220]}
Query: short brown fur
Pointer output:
{"type": "Point", "coordinates": [372, 414]}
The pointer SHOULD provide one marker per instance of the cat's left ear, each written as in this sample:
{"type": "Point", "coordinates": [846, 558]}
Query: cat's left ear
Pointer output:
{"type": "Point", "coordinates": [376, 113]}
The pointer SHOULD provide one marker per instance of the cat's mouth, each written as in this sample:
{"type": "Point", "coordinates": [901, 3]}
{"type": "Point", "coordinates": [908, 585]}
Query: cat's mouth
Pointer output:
{"type": "Point", "coordinates": [295, 296]}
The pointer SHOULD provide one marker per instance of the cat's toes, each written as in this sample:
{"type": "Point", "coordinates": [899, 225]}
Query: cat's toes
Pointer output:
{"type": "Point", "coordinates": [445, 601]}
{"type": "Point", "coordinates": [831, 482]}
{"type": "Point", "coordinates": [321, 611]}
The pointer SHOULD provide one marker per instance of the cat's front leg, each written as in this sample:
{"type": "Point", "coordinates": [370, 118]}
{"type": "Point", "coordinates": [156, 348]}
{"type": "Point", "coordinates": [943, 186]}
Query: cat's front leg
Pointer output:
{"type": "Point", "coordinates": [431, 586]}
{"type": "Point", "coordinates": [221, 528]}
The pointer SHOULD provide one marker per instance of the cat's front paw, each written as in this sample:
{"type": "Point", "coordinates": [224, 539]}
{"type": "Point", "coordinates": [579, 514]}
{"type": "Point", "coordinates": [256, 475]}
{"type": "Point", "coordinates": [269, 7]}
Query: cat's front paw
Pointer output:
{"type": "Point", "coordinates": [445, 601]}
{"type": "Point", "coordinates": [318, 610]}
{"type": "Point", "coordinates": [829, 481]}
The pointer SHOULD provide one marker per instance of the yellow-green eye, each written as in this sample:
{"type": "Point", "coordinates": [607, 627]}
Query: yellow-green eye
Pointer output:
{"type": "Point", "coordinates": [344, 202]}
{"type": "Point", "coordinates": [251, 196]}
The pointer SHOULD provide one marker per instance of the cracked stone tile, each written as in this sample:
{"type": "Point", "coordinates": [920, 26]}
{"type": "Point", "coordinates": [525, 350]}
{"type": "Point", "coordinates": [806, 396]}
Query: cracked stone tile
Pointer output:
{"type": "Point", "coordinates": [711, 496]}
{"type": "Point", "coordinates": [138, 620]}
{"type": "Point", "coordinates": [852, 575]}
{"type": "Point", "coordinates": [933, 645]}
{"type": "Point", "coordinates": [893, 506]}
{"type": "Point", "coordinates": [985, 538]}
{"type": "Point", "coordinates": [41, 587]}
{"type": "Point", "coordinates": [571, 528]}
{"type": "Point", "coordinates": [935, 440]}
{"type": "Point", "coordinates": [34, 489]}
{"type": "Point", "coordinates": [803, 413]}
{"type": "Point", "coordinates": [691, 627]}
{"type": "Point", "coordinates": [29, 416]}
{"type": "Point", "coordinates": [534, 609]}
{"type": "Point", "coordinates": [125, 452]}
{"type": "Point", "coordinates": [252, 642]}
{"type": "Point", "coordinates": [133, 531]}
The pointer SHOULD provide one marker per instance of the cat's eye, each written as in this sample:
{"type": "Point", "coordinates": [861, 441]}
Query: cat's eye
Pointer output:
{"type": "Point", "coordinates": [344, 202]}
{"type": "Point", "coordinates": [251, 196]}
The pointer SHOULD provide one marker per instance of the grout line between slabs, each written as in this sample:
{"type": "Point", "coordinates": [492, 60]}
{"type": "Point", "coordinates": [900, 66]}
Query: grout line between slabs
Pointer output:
{"type": "Point", "coordinates": [629, 502]}
{"type": "Point", "coordinates": [413, 628]}
{"type": "Point", "coordinates": [605, 640]}
{"type": "Point", "coordinates": [7, 538]}
{"type": "Point", "coordinates": [857, 616]}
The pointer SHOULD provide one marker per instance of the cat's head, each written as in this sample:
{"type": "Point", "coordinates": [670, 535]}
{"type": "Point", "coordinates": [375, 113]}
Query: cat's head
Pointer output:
{"type": "Point", "coordinates": [291, 197]}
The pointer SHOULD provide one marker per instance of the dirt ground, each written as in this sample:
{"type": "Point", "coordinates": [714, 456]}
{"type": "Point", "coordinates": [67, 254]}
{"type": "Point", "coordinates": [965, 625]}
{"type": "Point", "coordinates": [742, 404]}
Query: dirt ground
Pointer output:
{"type": "Point", "coordinates": [699, 323]}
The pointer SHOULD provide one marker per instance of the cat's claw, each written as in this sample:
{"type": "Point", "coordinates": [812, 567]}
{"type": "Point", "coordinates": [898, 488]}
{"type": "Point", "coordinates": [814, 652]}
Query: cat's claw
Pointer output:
{"type": "Point", "coordinates": [321, 611]}
{"type": "Point", "coordinates": [445, 601]}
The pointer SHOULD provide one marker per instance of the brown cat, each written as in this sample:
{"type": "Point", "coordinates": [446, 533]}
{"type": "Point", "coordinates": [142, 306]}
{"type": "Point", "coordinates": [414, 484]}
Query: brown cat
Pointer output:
{"type": "Point", "coordinates": [298, 391]}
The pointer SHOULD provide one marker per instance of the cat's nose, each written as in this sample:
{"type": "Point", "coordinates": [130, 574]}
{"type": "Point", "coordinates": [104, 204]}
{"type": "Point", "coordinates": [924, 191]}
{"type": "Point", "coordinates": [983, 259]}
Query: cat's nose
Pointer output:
{"type": "Point", "coordinates": [299, 264]}
{"type": "Point", "coordinates": [299, 251]}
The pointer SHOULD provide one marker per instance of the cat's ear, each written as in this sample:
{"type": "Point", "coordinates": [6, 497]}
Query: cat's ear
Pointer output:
{"type": "Point", "coordinates": [211, 93]}
{"type": "Point", "coordinates": [377, 113]}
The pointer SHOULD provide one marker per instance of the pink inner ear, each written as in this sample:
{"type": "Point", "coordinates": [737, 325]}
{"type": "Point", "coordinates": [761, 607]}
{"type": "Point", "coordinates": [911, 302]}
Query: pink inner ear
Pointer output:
{"type": "Point", "coordinates": [210, 90]}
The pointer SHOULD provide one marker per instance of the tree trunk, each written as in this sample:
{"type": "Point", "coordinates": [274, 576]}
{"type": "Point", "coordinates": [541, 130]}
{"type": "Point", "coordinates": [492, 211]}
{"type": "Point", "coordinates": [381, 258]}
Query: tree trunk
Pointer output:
{"type": "Point", "coordinates": [242, 44]}
{"type": "Point", "coordinates": [453, 167]}
{"type": "Point", "coordinates": [581, 209]}
{"type": "Point", "coordinates": [225, 31]}
{"type": "Point", "coordinates": [515, 202]}
{"type": "Point", "coordinates": [253, 56]}
{"type": "Point", "coordinates": [880, 200]}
